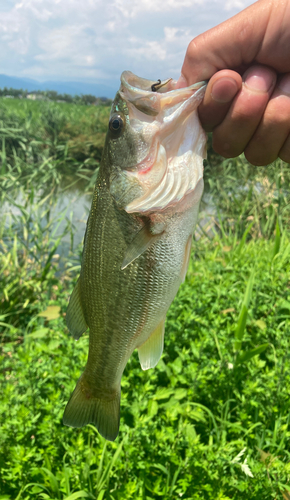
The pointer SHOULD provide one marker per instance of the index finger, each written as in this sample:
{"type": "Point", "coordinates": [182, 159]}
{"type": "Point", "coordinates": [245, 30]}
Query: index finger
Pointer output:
{"type": "Point", "coordinates": [239, 41]}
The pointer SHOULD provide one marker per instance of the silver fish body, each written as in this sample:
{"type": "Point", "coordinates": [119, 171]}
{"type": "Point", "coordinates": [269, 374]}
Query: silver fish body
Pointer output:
{"type": "Point", "coordinates": [138, 240]}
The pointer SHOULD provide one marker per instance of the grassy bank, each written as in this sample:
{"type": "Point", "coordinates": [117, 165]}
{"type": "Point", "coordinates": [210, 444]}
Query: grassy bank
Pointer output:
{"type": "Point", "coordinates": [211, 421]}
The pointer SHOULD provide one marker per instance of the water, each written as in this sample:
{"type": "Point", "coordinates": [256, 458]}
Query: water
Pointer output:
{"type": "Point", "coordinates": [70, 208]}
{"type": "Point", "coordinates": [76, 205]}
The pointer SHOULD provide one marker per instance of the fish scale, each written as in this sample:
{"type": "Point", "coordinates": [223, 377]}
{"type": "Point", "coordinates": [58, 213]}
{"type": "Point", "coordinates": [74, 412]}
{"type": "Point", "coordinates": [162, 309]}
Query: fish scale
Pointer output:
{"type": "Point", "coordinates": [133, 263]}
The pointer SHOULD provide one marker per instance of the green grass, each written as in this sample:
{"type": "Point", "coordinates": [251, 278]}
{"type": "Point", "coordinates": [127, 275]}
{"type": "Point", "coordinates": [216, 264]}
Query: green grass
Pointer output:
{"type": "Point", "coordinates": [211, 421]}
{"type": "Point", "coordinates": [34, 109]}
{"type": "Point", "coordinates": [246, 194]}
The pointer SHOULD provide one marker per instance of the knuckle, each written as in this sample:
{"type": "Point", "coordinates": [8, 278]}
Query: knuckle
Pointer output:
{"type": "Point", "coordinates": [249, 108]}
{"type": "Point", "coordinates": [245, 115]}
{"type": "Point", "coordinates": [193, 48]}
{"type": "Point", "coordinates": [277, 114]}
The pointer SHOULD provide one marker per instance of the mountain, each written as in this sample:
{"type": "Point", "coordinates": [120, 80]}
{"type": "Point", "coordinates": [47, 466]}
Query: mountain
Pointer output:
{"type": "Point", "coordinates": [72, 88]}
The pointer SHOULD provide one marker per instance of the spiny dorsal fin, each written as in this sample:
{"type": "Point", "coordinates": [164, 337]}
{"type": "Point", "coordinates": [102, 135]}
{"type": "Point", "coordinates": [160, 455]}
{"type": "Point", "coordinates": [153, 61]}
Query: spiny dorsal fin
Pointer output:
{"type": "Point", "coordinates": [75, 320]}
{"type": "Point", "coordinates": [150, 352]}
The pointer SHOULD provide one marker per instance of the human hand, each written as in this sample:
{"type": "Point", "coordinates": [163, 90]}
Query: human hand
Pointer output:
{"type": "Point", "coordinates": [248, 106]}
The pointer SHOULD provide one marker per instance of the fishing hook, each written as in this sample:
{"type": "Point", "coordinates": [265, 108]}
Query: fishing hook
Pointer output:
{"type": "Point", "coordinates": [155, 85]}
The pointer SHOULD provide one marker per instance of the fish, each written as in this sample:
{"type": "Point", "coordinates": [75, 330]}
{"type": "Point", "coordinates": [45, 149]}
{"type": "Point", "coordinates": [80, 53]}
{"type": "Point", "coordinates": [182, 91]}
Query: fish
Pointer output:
{"type": "Point", "coordinates": [138, 239]}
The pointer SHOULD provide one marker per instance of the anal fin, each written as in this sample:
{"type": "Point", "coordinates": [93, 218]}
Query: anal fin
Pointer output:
{"type": "Point", "coordinates": [75, 319]}
{"type": "Point", "coordinates": [150, 352]}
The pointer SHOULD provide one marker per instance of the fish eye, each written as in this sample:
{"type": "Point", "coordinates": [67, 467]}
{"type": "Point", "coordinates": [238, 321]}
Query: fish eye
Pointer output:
{"type": "Point", "coordinates": [116, 124]}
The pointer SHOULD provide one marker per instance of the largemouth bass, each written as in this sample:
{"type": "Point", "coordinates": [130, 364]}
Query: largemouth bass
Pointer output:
{"type": "Point", "coordinates": [138, 239]}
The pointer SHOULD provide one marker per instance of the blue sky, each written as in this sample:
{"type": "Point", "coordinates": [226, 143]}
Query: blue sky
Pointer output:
{"type": "Point", "coordinates": [95, 40]}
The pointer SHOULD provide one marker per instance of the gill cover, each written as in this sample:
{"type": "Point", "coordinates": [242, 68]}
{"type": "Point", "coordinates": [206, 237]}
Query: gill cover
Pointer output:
{"type": "Point", "coordinates": [167, 144]}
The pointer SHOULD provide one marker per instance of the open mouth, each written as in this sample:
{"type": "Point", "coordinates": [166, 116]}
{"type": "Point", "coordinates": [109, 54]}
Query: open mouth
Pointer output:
{"type": "Point", "coordinates": [173, 156]}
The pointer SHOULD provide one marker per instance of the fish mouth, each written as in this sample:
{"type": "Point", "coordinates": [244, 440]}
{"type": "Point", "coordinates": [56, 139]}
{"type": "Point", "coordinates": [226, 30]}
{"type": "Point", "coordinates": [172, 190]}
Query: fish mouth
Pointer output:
{"type": "Point", "coordinates": [138, 91]}
{"type": "Point", "coordinates": [172, 166]}
{"type": "Point", "coordinates": [166, 107]}
{"type": "Point", "coordinates": [142, 86]}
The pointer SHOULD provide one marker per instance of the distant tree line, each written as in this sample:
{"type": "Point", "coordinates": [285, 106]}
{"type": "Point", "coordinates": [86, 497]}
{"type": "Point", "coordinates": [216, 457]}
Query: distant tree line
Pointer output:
{"type": "Point", "coordinates": [52, 95]}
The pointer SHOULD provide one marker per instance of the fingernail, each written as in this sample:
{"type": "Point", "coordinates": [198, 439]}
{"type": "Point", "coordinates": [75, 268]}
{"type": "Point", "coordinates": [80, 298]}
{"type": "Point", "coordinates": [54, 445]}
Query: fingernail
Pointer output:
{"type": "Point", "coordinates": [259, 79]}
{"type": "Point", "coordinates": [284, 84]}
{"type": "Point", "coordinates": [181, 83]}
{"type": "Point", "coordinates": [224, 89]}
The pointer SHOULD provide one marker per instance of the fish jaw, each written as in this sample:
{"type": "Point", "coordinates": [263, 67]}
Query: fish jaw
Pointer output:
{"type": "Point", "coordinates": [167, 121]}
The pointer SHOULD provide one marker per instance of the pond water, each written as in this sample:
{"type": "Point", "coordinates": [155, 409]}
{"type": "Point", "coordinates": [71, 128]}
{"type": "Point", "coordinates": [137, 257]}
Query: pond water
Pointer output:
{"type": "Point", "coordinates": [69, 206]}
{"type": "Point", "coordinates": [76, 205]}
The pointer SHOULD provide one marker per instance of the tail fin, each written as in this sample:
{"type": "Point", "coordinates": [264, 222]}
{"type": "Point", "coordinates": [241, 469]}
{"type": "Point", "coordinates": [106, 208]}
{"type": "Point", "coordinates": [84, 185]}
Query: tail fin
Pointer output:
{"type": "Point", "coordinates": [82, 410]}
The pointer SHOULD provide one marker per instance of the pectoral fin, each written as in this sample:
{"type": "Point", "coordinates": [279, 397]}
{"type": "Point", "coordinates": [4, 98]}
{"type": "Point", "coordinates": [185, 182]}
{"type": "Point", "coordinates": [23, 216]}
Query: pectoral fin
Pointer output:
{"type": "Point", "coordinates": [75, 320]}
{"type": "Point", "coordinates": [150, 352]}
{"type": "Point", "coordinates": [186, 258]}
{"type": "Point", "coordinates": [139, 245]}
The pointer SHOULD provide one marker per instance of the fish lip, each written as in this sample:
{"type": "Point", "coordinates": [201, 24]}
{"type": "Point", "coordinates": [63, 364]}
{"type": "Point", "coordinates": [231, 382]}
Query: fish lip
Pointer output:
{"type": "Point", "coordinates": [128, 76]}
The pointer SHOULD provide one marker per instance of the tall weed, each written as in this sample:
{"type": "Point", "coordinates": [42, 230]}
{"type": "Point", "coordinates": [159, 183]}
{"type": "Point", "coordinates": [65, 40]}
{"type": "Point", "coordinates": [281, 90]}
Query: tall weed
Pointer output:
{"type": "Point", "coordinates": [29, 257]}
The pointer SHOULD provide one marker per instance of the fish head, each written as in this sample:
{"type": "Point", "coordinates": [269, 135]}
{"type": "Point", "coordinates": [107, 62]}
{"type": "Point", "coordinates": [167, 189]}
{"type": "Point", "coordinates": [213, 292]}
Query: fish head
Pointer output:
{"type": "Point", "coordinates": [155, 144]}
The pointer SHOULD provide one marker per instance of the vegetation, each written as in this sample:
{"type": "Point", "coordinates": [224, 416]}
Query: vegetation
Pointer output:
{"type": "Point", "coordinates": [211, 421]}
{"type": "Point", "coordinates": [52, 95]}
{"type": "Point", "coordinates": [42, 141]}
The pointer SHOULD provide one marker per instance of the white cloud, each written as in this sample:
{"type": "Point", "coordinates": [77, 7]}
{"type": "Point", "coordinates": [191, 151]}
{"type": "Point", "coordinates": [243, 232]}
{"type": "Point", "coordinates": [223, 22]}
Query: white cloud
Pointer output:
{"type": "Point", "coordinates": [98, 39]}
{"type": "Point", "coordinates": [236, 4]}
{"type": "Point", "coordinates": [148, 50]}
{"type": "Point", "coordinates": [130, 8]}
{"type": "Point", "coordinates": [20, 45]}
